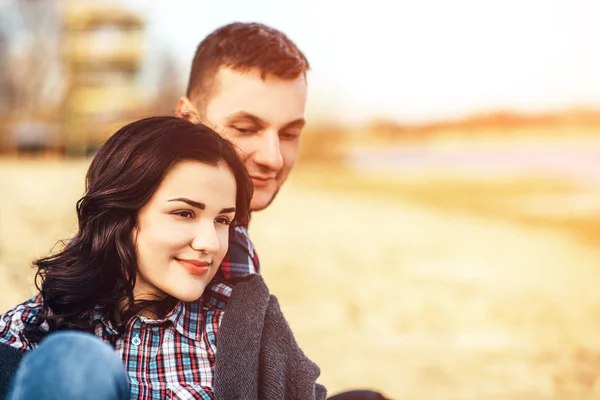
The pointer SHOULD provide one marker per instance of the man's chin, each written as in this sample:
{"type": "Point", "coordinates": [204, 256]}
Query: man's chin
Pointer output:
{"type": "Point", "coordinates": [260, 200]}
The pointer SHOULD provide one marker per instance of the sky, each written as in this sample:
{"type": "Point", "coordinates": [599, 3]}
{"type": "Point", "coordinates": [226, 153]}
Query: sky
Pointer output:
{"type": "Point", "coordinates": [414, 61]}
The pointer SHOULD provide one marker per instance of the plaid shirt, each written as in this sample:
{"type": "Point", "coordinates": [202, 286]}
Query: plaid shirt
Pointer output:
{"type": "Point", "coordinates": [241, 259]}
{"type": "Point", "coordinates": [169, 358]}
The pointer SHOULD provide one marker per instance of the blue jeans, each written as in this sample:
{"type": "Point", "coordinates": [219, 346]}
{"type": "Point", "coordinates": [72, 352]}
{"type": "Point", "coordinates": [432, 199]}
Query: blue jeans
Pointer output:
{"type": "Point", "coordinates": [74, 365]}
{"type": "Point", "coordinates": [70, 365]}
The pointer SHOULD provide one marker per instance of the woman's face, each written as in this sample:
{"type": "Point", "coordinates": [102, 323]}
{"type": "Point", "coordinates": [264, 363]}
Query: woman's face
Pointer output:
{"type": "Point", "coordinates": [183, 231]}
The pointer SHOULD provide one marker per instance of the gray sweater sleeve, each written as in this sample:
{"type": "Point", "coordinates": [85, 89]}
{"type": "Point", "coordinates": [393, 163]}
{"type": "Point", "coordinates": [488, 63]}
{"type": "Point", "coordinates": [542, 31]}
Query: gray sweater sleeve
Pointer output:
{"type": "Point", "coordinates": [257, 354]}
{"type": "Point", "coordinates": [285, 371]}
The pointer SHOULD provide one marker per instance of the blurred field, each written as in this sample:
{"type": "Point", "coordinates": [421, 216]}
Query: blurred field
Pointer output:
{"type": "Point", "coordinates": [424, 283]}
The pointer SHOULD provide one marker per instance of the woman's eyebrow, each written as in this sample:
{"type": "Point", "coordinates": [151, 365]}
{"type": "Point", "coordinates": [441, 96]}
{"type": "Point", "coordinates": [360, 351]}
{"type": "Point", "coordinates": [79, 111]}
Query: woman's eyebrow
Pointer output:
{"type": "Point", "coordinates": [192, 203]}
{"type": "Point", "coordinates": [202, 206]}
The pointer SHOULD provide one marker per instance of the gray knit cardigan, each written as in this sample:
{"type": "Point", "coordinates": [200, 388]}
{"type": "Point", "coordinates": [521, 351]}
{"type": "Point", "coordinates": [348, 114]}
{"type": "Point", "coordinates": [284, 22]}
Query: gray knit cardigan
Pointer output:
{"type": "Point", "coordinates": [257, 355]}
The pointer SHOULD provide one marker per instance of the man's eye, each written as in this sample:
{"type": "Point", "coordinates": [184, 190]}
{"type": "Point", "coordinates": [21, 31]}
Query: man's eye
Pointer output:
{"type": "Point", "coordinates": [245, 131]}
{"type": "Point", "coordinates": [223, 220]}
{"type": "Point", "coordinates": [184, 214]}
{"type": "Point", "coordinates": [289, 136]}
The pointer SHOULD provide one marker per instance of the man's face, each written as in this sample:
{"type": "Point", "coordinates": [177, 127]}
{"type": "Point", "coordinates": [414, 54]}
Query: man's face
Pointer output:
{"type": "Point", "coordinates": [264, 119]}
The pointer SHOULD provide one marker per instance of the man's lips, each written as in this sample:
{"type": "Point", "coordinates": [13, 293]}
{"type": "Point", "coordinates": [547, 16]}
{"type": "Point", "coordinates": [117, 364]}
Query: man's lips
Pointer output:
{"type": "Point", "coordinates": [261, 181]}
{"type": "Point", "coordinates": [195, 267]}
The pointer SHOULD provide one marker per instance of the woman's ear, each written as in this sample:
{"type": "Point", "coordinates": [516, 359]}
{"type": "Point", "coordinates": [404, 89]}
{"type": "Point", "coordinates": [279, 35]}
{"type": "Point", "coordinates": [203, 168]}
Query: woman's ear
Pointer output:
{"type": "Point", "coordinates": [134, 235]}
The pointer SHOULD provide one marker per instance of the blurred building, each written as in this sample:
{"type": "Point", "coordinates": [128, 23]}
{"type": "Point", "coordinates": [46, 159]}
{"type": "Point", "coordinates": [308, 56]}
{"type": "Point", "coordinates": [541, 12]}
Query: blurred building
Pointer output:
{"type": "Point", "coordinates": [102, 57]}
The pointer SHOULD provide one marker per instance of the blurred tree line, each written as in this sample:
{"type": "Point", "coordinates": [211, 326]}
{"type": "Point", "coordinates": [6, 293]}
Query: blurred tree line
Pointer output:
{"type": "Point", "coordinates": [34, 78]}
{"type": "Point", "coordinates": [29, 55]}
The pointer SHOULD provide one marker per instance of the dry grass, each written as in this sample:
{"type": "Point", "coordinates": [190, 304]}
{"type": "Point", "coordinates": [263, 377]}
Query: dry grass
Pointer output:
{"type": "Point", "coordinates": [424, 287]}
{"type": "Point", "coordinates": [526, 200]}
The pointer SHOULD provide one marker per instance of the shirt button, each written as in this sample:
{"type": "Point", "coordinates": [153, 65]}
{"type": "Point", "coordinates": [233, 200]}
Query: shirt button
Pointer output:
{"type": "Point", "coordinates": [136, 341]}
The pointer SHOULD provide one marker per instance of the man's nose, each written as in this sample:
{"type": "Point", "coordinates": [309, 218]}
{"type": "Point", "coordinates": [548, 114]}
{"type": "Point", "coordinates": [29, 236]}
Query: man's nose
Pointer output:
{"type": "Point", "coordinates": [268, 153]}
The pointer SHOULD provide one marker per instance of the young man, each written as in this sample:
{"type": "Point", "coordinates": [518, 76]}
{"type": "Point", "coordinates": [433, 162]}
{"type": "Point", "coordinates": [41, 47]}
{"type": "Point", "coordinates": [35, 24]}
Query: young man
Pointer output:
{"type": "Point", "coordinates": [248, 82]}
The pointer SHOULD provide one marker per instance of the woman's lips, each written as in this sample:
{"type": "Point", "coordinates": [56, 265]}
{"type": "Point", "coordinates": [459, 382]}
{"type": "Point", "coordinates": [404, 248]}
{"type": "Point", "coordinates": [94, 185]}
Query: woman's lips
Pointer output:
{"type": "Point", "coordinates": [195, 267]}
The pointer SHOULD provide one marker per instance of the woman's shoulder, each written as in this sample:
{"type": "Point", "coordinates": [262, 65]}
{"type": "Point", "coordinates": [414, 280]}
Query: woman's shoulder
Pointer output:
{"type": "Point", "coordinates": [27, 311]}
{"type": "Point", "coordinates": [14, 322]}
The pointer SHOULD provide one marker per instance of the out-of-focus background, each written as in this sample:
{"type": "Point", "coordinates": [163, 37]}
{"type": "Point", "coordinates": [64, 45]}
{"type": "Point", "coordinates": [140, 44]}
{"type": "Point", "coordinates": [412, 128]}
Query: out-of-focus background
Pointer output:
{"type": "Point", "coordinates": [439, 236]}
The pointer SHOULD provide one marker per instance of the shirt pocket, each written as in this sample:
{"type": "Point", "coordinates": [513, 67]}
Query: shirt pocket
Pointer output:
{"type": "Point", "coordinates": [174, 391]}
{"type": "Point", "coordinates": [140, 391]}
{"type": "Point", "coordinates": [183, 391]}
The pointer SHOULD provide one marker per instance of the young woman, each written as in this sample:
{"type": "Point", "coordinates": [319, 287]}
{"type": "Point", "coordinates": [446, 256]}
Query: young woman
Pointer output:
{"type": "Point", "coordinates": [142, 277]}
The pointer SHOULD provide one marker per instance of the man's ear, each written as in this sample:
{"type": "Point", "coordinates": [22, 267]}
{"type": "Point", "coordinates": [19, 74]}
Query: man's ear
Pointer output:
{"type": "Point", "coordinates": [186, 110]}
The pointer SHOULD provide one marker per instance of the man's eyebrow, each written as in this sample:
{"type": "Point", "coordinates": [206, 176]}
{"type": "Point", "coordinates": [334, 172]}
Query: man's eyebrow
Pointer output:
{"type": "Point", "coordinates": [297, 123]}
{"type": "Point", "coordinates": [192, 203]}
{"type": "Point", "coordinates": [251, 117]}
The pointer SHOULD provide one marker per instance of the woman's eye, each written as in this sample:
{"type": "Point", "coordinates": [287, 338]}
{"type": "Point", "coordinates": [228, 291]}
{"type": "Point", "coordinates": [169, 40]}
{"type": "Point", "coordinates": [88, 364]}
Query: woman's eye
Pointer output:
{"type": "Point", "coordinates": [184, 214]}
{"type": "Point", "coordinates": [223, 220]}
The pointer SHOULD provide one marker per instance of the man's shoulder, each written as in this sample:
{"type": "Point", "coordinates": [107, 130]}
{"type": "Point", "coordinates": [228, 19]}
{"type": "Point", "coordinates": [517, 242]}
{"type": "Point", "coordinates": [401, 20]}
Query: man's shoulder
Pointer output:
{"type": "Point", "coordinates": [239, 235]}
{"type": "Point", "coordinates": [241, 258]}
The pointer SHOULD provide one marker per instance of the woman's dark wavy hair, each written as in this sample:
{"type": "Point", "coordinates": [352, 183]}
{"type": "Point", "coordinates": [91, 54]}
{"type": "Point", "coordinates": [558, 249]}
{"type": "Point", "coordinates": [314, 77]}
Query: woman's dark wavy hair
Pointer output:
{"type": "Point", "coordinates": [99, 266]}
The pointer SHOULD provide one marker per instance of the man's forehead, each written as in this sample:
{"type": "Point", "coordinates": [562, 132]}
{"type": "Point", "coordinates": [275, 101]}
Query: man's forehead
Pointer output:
{"type": "Point", "coordinates": [271, 99]}
{"type": "Point", "coordinates": [229, 80]}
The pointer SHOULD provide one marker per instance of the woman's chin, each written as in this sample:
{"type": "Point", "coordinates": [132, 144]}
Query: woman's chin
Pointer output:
{"type": "Point", "coordinates": [188, 296]}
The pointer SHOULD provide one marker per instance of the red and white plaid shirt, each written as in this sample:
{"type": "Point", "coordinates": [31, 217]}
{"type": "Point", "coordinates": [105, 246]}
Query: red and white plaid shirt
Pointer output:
{"type": "Point", "coordinates": [241, 258]}
{"type": "Point", "coordinates": [170, 358]}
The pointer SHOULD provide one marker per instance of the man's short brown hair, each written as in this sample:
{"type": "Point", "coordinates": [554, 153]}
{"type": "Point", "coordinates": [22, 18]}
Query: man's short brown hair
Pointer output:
{"type": "Point", "coordinates": [244, 47]}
